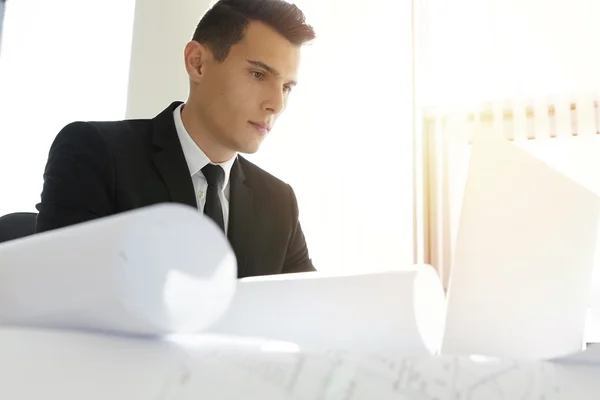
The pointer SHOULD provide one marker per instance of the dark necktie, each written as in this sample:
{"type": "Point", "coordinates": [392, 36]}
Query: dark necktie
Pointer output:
{"type": "Point", "coordinates": [214, 175]}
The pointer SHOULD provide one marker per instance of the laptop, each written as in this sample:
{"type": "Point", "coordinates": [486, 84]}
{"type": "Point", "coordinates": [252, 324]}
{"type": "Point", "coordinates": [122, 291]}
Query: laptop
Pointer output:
{"type": "Point", "coordinates": [520, 279]}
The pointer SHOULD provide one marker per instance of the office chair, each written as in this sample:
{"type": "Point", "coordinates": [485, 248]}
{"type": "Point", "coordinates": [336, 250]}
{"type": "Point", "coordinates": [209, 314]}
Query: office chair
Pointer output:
{"type": "Point", "coordinates": [17, 225]}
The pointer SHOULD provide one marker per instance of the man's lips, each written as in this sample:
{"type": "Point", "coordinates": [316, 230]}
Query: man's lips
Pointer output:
{"type": "Point", "coordinates": [261, 127]}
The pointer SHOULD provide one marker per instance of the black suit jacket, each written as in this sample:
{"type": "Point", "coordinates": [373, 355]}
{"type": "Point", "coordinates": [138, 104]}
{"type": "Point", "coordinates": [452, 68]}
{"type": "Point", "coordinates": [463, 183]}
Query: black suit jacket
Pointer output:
{"type": "Point", "coordinates": [97, 169]}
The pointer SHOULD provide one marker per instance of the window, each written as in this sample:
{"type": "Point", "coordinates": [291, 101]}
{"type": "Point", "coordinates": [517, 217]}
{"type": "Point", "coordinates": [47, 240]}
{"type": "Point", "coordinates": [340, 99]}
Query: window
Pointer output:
{"type": "Point", "coordinates": [521, 68]}
{"type": "Point", "coordinates": [58, 63]}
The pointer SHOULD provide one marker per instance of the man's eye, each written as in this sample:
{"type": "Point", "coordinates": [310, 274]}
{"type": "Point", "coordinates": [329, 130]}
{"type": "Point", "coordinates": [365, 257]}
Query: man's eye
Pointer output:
{"type": "Point", "coordinates": [287, 88]}
{"type": "Point", "coordinates": [257, 74]}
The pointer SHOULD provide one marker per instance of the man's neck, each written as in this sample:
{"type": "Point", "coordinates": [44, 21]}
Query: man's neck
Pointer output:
{"type": "Point", "coordinates": [213, 150]}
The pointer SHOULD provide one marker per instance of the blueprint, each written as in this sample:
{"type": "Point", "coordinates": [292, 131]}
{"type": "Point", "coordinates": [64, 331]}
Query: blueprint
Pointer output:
{"type": "Point", "coordinates": [301, 375]}
{"type": "Point", "coordinates": [38, 364]}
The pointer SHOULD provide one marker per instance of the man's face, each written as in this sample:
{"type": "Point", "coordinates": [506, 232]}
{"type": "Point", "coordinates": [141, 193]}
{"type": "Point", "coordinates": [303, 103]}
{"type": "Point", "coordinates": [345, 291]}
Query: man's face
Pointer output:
{"type": "Point", "coordinates": [240, 99]}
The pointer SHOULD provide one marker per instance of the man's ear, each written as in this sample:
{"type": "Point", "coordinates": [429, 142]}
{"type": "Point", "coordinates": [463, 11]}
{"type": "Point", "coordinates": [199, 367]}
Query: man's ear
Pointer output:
{"type": "Point", "coordinates": [196, 56]}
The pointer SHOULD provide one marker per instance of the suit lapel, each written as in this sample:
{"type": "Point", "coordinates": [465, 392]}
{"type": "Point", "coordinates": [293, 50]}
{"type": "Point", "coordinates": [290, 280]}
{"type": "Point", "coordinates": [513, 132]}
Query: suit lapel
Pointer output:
{"type": "Point", "coordinates": [172, 167]}
{"type": "Point", "coordinates": [241, 217]}
{"type": "Point", "coordinates": [170, 160]}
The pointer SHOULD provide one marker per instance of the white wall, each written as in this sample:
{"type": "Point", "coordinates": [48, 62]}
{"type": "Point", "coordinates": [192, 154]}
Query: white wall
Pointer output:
{"type": "Point", "coordinates": [345, 143]}
{"type": "Point", "coordinates": [1, 18]}
{"type": "Point", "coordinates": [158, 76]}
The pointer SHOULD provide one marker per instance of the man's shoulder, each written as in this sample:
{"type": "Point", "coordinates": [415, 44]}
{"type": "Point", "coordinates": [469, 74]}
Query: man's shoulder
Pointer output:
{"type": "Point", "coordinates": [117, 137]}
{"type": "Point", "coordinates": [111, 130]}
{"type": "Point", "coordinates": [122, 133]}
{"type": "Point", "coordinates": [258, 176]}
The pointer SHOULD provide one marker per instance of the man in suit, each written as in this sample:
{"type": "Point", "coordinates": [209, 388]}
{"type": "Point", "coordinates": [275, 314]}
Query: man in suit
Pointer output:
{"type": "Point", "coordinates": [242, 64]}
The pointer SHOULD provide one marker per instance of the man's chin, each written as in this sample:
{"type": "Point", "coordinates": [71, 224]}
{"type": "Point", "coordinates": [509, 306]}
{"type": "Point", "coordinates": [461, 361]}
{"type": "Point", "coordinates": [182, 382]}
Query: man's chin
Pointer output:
{"type": "Point", "coordinates": [249, 148]}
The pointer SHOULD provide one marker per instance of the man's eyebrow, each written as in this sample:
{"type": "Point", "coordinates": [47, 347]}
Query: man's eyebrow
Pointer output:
{"type": "Point", "coordinates": [264, 66]}
{"type": "Point", "coordinates": [269, 69]}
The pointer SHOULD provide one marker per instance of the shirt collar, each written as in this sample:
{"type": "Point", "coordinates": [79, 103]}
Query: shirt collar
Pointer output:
{"type": "Point", "coordinates": [194, 156]}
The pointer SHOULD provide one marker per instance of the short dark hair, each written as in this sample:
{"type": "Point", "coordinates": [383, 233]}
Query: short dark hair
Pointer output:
{"type": "Point", "coordinates": [225, 23]}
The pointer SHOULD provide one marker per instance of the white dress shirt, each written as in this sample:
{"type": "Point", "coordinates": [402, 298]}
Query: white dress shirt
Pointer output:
{"type": "Point", "coordinates": [196, 160]}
